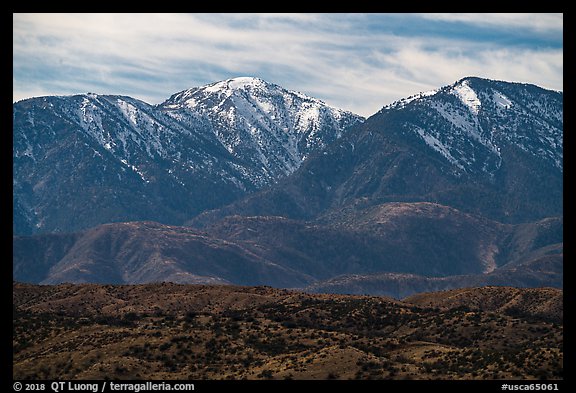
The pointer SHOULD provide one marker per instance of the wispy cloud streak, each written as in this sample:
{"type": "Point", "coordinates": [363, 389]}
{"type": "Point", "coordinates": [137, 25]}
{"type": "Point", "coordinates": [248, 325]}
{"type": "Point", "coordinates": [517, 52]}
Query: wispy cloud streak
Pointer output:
{"type": "Point", "coordinates": [358, 62]}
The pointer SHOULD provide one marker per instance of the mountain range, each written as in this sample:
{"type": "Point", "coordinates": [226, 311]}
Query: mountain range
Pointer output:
{"type": "Point", "coordinates": [485, 147]}
{"type": "Point", "coordinates": [243, 182]}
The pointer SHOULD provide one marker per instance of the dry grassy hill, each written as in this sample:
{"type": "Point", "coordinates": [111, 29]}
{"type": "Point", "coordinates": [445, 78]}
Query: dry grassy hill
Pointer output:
{"type": "Point", "coordinates": [544, 303]}
{"type": "Point", "coordinates": [171, 331]}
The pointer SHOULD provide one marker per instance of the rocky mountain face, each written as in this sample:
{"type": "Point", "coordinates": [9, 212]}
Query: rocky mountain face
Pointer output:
{"type": "Point", "coordinates": [91, 159]}
{"type": "Point", "coordinates": [457, 187]}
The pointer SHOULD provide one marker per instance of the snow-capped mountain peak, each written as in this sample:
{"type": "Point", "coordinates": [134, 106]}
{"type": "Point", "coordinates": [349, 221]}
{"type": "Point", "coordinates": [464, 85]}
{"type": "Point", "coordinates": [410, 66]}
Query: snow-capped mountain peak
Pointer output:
{"type": "Point", "coordinates": [475, 118]}
{"type": "Point", "coordinates": [272, 127]}
{"type": "Point", "coordinates": [222, 89]}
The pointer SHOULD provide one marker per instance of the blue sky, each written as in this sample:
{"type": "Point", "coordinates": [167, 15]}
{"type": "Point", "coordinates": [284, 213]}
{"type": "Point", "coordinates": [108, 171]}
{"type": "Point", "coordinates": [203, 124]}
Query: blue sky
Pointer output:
{"type": "Point", "coordinates": [358, 62]}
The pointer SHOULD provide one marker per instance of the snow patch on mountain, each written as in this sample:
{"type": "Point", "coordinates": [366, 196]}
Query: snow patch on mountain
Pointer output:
{"type": "Point", "coordinates": [244, 131]}
{"type": "Point", "coordinates": [401, 103]}
{"type": "Point", "coordinates": [90, 119]}
{"type": "Point", "coordinates": [468, 96]}
{"type": "Point", "coordinates": [438, 146]}
{"type": "Point", "coordinates": [501, 100]}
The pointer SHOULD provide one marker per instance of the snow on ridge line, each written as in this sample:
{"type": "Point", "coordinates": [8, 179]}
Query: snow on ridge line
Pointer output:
{"type": "Point", "coordinates": [290, 124]}
{"type": "Point", "coordinates": [232, 84]}
{"type": "Point", "coordinates": [280, 127]}
{"type": "Point", "coordinates": [227, 88]}
{"type": "Point", "coordinates": [244, 81]}
{"type": "Point", "coordinates": [402, 102]}
{"type": "Point", "coordinates": [250, 88]}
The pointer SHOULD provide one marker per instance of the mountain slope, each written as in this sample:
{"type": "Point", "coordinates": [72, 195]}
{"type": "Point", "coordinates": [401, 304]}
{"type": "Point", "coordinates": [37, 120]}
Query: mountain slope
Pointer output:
{"type": "Point", "coordinates": [523, 255]}
{"type": "Point", "coordinates": [457, 187]}
{"type": "Point", "coordinates": [395, 249]}
{"type": "Point", "coordinates": [421, 238]}
{"type": "Point", "coordinates": [545, 271]}
{"type": "Point", "coordinates": [408, 238]}
{"type": "Point", "coordinates": [484, 147]}
{"type": "Point", "coordinates": [141, 252]}
{"type": "Point", "coordinates": [84, 160]}
{"type": "Point", "coordinates": [113, 158]}
{"type": "Point", "coordinates": [544, 303]}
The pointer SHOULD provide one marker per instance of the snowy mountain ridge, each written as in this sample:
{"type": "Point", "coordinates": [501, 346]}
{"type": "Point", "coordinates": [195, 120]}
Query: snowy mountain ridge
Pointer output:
{"type": "Point", "coordinates": [131, 130]}
{"type": "Point", "coordinates": [460, 185]}
{"type": "Point", "coordinates": [241, 114]}
{"type": "Point", "coordinates": [201, 148]}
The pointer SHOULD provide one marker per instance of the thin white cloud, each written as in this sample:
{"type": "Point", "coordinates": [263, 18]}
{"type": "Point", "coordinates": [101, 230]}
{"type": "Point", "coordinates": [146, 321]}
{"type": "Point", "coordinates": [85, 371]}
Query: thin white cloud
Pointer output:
{"type": "Point", "coordinates": [538, 22]}
{"type": "Point", "coordinates": [333, 57]}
